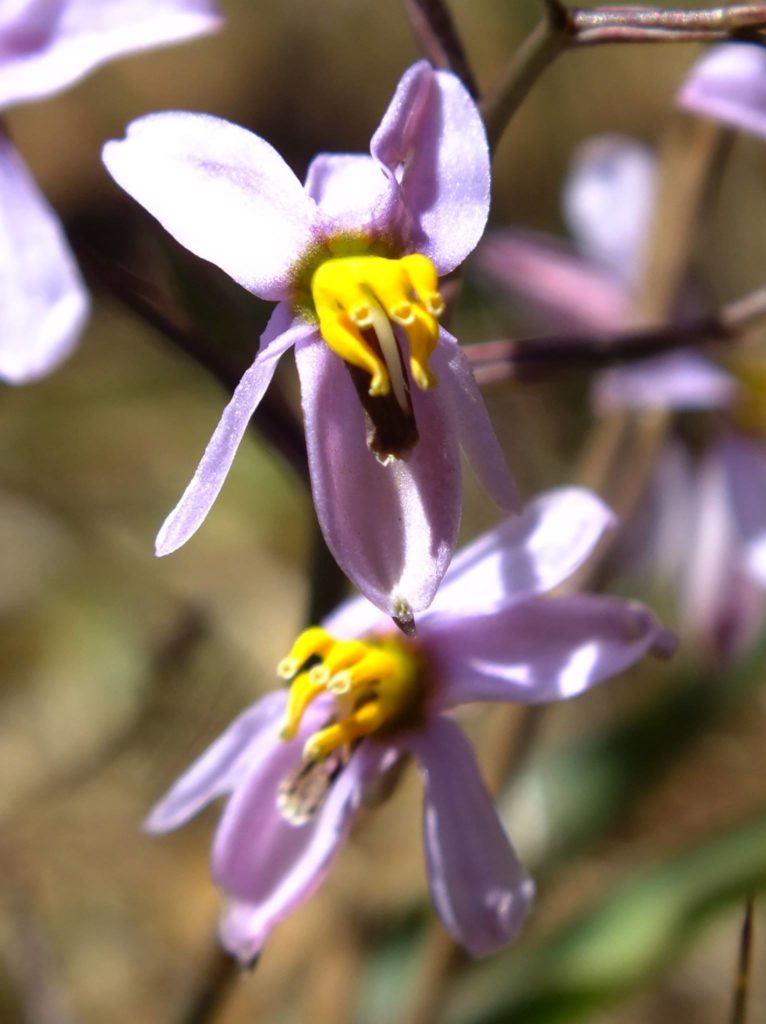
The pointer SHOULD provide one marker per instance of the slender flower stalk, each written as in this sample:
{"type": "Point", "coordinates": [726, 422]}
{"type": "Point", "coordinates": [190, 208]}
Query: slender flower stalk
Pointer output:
{"type": "Point", "coordinates": [301, 764]}
{"type": "Point", "coordinates": [45, 47]}
{"type": "Point", "coordinates": [353, 259]}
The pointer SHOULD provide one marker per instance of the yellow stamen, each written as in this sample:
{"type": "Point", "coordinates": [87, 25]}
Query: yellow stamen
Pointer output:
{"type": "Point", "coordinates": [356, 294]}
{"type": "Point", "coordinates": [375, 684]}
{"type": "Point", "coordinates": [312, 642]}
{"type": "Point", "coordinates": [302, 691]}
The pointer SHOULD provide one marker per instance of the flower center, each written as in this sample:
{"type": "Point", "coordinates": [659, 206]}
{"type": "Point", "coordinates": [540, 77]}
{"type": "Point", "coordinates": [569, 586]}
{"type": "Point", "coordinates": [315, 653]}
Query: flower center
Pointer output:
{"type": "Point", "coordinates": [362, 300]}
{"type": "Point", "coordinates": [376, 684]}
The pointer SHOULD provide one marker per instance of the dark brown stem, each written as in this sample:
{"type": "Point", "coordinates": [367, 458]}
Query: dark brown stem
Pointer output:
{"type": "Point", "coordinates": [439, 39]}
{"type": "Point", "coordinates": [216, 979]}
{"type": "Point", "coordinates": [744, 964]}
{"type": "Point", "coordinates": [529, 358]}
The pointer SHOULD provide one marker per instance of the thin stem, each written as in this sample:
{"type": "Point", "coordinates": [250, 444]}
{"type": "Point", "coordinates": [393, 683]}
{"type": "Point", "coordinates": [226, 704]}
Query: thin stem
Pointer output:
{"type": "Point", "coordinates": [548, 39]}
{"type": "Point", "coordinates": [532, 358]}
{"type": "Point", "coordinates": [565, 28]}
{"type": "Point", "coordinates": [216, 980]}
{"type": "Point", "coordinates": [439, 39]}
{"type": "Point", "coordinates": [744, 964]}
{"type": "Point", "coordinates": [668, 25]}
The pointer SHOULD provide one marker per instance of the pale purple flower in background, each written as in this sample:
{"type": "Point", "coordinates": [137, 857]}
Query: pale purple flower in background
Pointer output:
{"type": "Point", "coordinates": [46, 45]}
{"type": "Point", "coordinates": [589, 284]}
{"type": "Point", "coordinates": [300, 764]}
{"type": "Point", "coordinates": [728, 84]}
{"type": "Point", "coordinates": [383, 443]}
{"type": "Point", "coordinates": [704, 531]}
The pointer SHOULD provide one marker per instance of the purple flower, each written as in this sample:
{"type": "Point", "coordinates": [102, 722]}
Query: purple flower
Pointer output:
{"type": "Point", "coordinates": [728, 84]}
{"type": "Point", "coordinates": [608, 201]}
{"type": "Point", "coordinates": [353, 259]}
{"type": "Point", "coordinates": [46, 45]}
{"type": "Point", "coordinates": [704, 526]}
{"type": "Point", "coordinates": [300, 763]}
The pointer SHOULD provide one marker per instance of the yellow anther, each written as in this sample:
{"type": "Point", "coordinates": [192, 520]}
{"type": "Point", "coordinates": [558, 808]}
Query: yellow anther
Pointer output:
{"type": "Point", "coordinates": [375, 683]}
{"type": "Point", "coordinates": [302, 692]}
{"type": "Point", "coordinates": [344, 653]}
{"type": "Point", "coordinates": [423, 335]}
{"type": "Point", "coordinates": [363, 722]}
{"type": "Point", "coordinates": [356, 300]}
{"type": "Point", "coordinates": [345, 339]}
{"type": "Point", "coordinates": [320, 674]}
{"type": "Point", "coordinates": [340, 683]}
{"type": "Point", "coordinates": [312, 642]}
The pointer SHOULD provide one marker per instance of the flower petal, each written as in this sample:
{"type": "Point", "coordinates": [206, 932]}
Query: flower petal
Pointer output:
{"type": "Point", "coordinates": [565, 291]}
{"type": "Point", "coordinates": [678, 380]}
{"type": "Point", "coordinates": [354, 618]}
{"type": "Point", "coordinates": [478, 886]}
{"type": "Point", "coordinates": [524, 555]}
{"type": "Point", "coordinates": [186, 518]}
{"type": "Point", "coordinates": [541, 650]}
{"type": "Point", "coordinates": [729, 84]}
{"type": "Point", "coordinates": [354, 194]}
{"type": "Point", "coordinates": [743, 463]}
{"type": "Point", "coordinates": [268, 866]}
{"type": "Point", "coordinates": [392, 529]}
{"type": "Point", "coordinates": [475, 431]}
{"type": "Point", "coordinates": [433, 142]}
{"type": "Point", "coordinates": [43, 303]}
{"type": "Point", "coordinates": [221, 191]}
{"type": "Point", "coordinates": [48, 44]}
{"type": "Point", "coordinates": [222, 765]}
{"type": "Point", "coordinates": [718, 602]}
{"type": "Point", "coordinates": [608, 201]}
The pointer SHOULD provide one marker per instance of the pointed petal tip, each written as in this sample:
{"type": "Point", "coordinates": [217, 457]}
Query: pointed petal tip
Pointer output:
{"type": "Point", "coordinates": [404, 617]}
{"type": "Point", "coordinates": [237, 937]}
{"type": "Point", "coordinates": [512, 908]}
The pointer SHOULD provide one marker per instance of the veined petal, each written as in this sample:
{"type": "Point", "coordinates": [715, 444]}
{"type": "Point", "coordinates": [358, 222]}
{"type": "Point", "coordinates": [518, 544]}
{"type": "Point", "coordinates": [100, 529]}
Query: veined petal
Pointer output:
{"type": "Point", "coordinates": [541, 650]}
{"type": "Point", "coordinates": [474, 427]}
{"type": "Point", "coordinates": [43, 302]}
{"type": "Point", "coordinates": [186, 518]}
{"type": "Point", "coordinates": [46, 45]}
{"type": "Point", "coordinates": [433, 142]}
{"type": "Point", "coordinates": [268, 866]}
{"type": "Point", "coordinates": [355, 194]}
{"type": "Point", "coordinates": [678, 380]}
{"type": "Point", "coordinates": [525, 555]}
{"type": "Point", "coordinates": [478, 885]}
{"type": "Point", "coordinates": [565, 291]}
{"type": "Point", "coordinates": [729, 84]}
{"type": "Point", "coordinates": [221, 191]}
{"type": "Point", "coordinates": [608, 201]}
{"type": "Point", "coordinates": [236, 752]}
{"type": "Point", "coordinates": [392, 529]}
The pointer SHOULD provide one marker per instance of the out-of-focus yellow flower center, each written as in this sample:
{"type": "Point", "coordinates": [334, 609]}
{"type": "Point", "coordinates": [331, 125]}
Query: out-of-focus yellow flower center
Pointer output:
{"type": "Point", "coordinates": [376, 684]}
{"type": "Point", "coordinates": [359, 298]}
{"type": "Point", "coordinates": [749, 412]}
